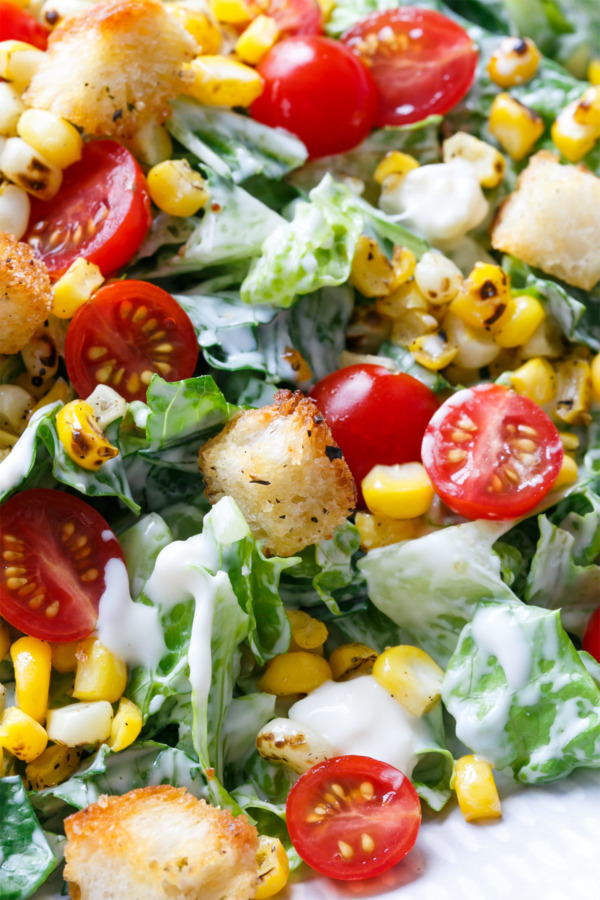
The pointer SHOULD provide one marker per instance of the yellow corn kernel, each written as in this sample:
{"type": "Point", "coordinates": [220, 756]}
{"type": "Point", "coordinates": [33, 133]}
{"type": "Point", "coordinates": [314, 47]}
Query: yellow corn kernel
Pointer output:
{"type": "Point", "coordinates": [64, 656]}
{"type": "Point", "coordinates": [52, 767]}
{"type": "Point", "coordinates": [488, 162]}
{"type": "Point", "coordinates": [394, 163]}
{"type": "Point", "coordinates": [535, 380]}
{"type": "Point", "coordinates": [571, 138]}
{"type": "Point", "coordinates": [257, 39]}
{"type": "Point", "coordinates": [569, 441]}
{"type": "Point", "coordinates": [398, 492]}
{"type": "Point", "coordinates": [204, 31]}
{"type": "Point", "coordinates": [514, 61]}
{"type": "Point", "coordinates": [379, 531]}
{"type": "Point", "coordinates": [593, 73]}
{"type": "Point", "coordinates": [404, 298]}
{"type": "Point", "coordinates": [595, 373]}
{"type": "Point", "coordinates": [4, 641]}
{"type": "Point", "coordinates": [126, 725]}
{"type": "Point", "coordinates": [372, 272]}
{"type": "Point", "coordinates": [176, 188]}
{"type": "Point", "coordinates": [273, 867]}
{"type": "Point", "coordinates": [307, 632]}
{"type": "Point", "coordinates": [32, 662]}
{"type": "Point", "coordinates": [60, 390]}
{"type": "Point", "coordinates": [21, 735]}
{"type": "Point", "coordinates": [327, 7]}
{"type": "Point", "coordinates": [232, 12]}
{"type": "Point", "coordinates": [587, 111]}
{"type": "Point", "coordinates": [515, 126]}
{"type": "Point", "coordinates": [100, 675]}
{"type": "Point", "coordinates": [75, 287]}
{"type": "Point", "coordinates": [475, 789]}
{"type": "Point", "coordinates": [568, 473]}
{"type": "Point", "coordinates": [221, 81]}
{"type": "Point", "coordinates": [519, 321]}
{"type": "Point", "coordinates": [56, 138]}
{"type": "Point", "coordinates": [483, 296]}
{"type": "Point", "coordinates": [82, 437]}
{"type": "Point", "coordinates": [574, 392]}
{"type": "Point", "coordinates": [351, 660]}
{"type": "Point", "coordinates": [299, 672]}
{"type": "Point", "coordinates": [433, 351]}
{"type": "Point", "coordinates": [411, 676]}
{"type": "Point", "coordinates": [19, 62]}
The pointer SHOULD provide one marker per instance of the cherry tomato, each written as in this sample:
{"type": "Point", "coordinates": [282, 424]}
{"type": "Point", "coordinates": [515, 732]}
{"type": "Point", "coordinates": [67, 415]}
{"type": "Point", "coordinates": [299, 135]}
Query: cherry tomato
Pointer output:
{"type": "Point", "coordinates": [423, 63]}
{"type": "Point", "coordinates": [591, 635]}
{"type": "Point", "coordinates": [376, 416]}
{"type": "Point", "coordinates": [353, 817]}
{"type": "Point", "coordinates": [318, 90]}
{"type": "Point", "coordinates": [292, 16]}
{"type": "Point", "coordinates": [55, 548]}
{"type": "Point", "coordinates": [490, 453]}
{"type": "Point", "coordinates": [126, 333]}
{"type": "Point", "coordinates": [102, 212]}
{"type": "Point", "coordinates": [19, 25]}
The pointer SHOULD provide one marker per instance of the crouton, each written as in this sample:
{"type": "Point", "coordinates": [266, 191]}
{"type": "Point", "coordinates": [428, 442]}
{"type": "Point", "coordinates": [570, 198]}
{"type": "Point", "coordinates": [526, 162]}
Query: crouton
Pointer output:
{"type": "Point", "coordinates": [25, 293]}
{"type": "Point", "coordinates": [552, 220]}
{"type": "Point", "coordinates": [284, 470]}
{"type": "Point", "coordinates": [157, 843]}
{"type": "Point", "coordinates": [113, 67]}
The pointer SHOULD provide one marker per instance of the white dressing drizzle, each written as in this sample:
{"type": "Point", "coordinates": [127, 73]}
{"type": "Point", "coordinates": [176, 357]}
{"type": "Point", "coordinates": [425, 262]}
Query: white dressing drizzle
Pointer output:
{"type": "Point", "coordinates": [15, 467]}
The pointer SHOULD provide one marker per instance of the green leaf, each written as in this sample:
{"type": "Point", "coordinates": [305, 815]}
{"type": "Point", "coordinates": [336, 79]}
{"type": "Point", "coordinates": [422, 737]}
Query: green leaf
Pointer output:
{"type": "Point", "coordinates": [26, 859]}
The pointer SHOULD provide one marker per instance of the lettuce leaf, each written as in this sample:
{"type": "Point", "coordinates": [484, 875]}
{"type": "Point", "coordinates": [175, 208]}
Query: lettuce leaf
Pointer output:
{"type": "Point", "coordinates": [26, 859]}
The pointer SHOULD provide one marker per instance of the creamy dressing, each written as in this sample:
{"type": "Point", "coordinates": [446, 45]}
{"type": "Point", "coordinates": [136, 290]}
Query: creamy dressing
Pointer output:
{"type": "Point", "coordinates": [16, 466]}
{"type": "Point", "coordinates": [499, 634]}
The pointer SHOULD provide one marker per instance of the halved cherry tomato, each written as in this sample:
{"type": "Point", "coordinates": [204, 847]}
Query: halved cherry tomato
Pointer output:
{"type": "Point", "coordinates": [353, 817]}
{"type": "Point", "coordinates": [423, 63]}
{"type": "Point", "coordinates": [55, 548]}
{"type": "Point", "coordinates": [591, 635]}
{"type": "Point", "coordinates": [376, 417]}
{"type": "Point", "coordinates": [126, 333]}
{"type": "Point", "coordinates": [102, 212]}
{"type": "Point", "coordinates": [491, 453]}
{"type": "Point", "coordinates": [19, 25]}
{"type": "Point", "coordinates": [292, 16]}
{"type": "Point", "coordinates": [318, 90]}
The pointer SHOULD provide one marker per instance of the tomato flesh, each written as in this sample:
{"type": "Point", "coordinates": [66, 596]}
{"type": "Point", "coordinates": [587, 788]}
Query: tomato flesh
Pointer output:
{"type": "Point", "coordinates": [491, 453]}
{"type": "Point", "coordinates": [55, 548]}
{"type": "Point", "coordinates": [19, 25]}
{"type": "Point", "coordinates": [591, 636]}
{"type": "Point", "coordinates": [353, 817]}
{"type": "Point", "coordinates": [423, 63]}
{"type": "Point", "coordinates": [292, 16]}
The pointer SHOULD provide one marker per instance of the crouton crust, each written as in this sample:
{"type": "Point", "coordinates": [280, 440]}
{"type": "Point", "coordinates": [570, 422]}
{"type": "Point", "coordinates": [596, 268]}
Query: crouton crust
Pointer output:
{"type": "Point", "coordinates": [25, 293]}
{"type": "Point", "coordinates": [113, 67]}
{"type": "Point", "coordinates": [552, 220]}
{"type": "Point", "coordinates": [156, 843]}
{"type": "Point", "coordinates": [284, 470]}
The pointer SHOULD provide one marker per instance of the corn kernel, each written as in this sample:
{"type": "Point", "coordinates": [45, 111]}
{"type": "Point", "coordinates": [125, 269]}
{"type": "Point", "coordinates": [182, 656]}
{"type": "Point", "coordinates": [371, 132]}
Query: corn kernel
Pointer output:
{"type": "Point", "coordinates": [100, 675]}
{"type": "Point", "coordinates": [412, 325]}
{"type": "Point", "coordinates": [60, 390]}
{"type": "Point", "coordinates": [437, 277]}
{"type": "Point", "coordinates": [75, 287]}
{"type": "Point", "coordinates": [327, 7]}
{"type": "Point", "coordinates": [151, 144]}
{"type": "Point", "coordinates": [546, 342]}
{"type": "Point", "coordinates": [535, 380]}
{"type": "Point", "coordinates": [126, 725]}
{"type": "Point", "coordinates": [476, 347]}
{"type": "Point", "coordinates": [394, 163]}
{"type": "Point", "coordinates": [82, 437]}
{"type": "Point", "coordinates": [475, 789]}
{"type": "Point", "coordinates": [11, 108]}
{"type": "Point", "coordinates": [21, 735]}
{"type": "Point", "coordinates": [4, 641]}
{"type": "Point", "coordinates": [80, 723]}
{"type": "Point", "coordinates": [571, 138]}
{"type": "Point", "coordinates": [295, 673]}
{"type": "Point", "coordinates": [221, 81]}
{"type": "Point", "coordinates": [56, 138]}
{"type": "Point", "coordinates": [273, 867]}
{"type": "Point", "coordinates": [488, 162]}
{"type": "Point", "coordinates": [351, 660]}
{"type": "Point", "coordinates": [232, 12]}
{"type": "Point", "coordinates": [483, 297]}
{"type": "Point", "coordinates": [19, 62]}
{"type": "Point", "coordinates": [403, 299]}
{"type": "Point", "coordinates": [64, 656]}
{"type": "Point", "coordinates": [176, 188]}
{"type": "Point", "coordinates": [15, 208]}
{"type": "Point", "coordinates": [569, 441]}
{"type": "Point", "coordinates": [308, 633]}
{"type": "Point", "coordinates": [411, 676]}
{"type": "Point", "coordinates": [593, 73]}
{"type": "Point", "coordinates": [515, 126]}
{"type": "Point", "coordinates": [519, 321]}
{"type": "Point", "coordinates": [595, 373]}
{"type": "Point", "coordinates": [433, 351]}
{"type": "Point", "coordinates": [514, 61]}
{"type": "Point", "coordinates": [398, 492]}
{"type": "Point", "coordinates": [29, 169]}
{"type": "Point", "coordinates": [257, 40]}
{"type": "Point", "coordinates": [372, 272]}
{"type": "Point", "coordinates": [204, 31]}
{"type": "Point", "coordinates": [52, 767]}
{"type": "Point", "coordinates": [574, 392]}
{"type": "Point", "coordinates": [587, 111]}
{"type": "Point", "coordinates": [568, 473]}
{"type": "Point", "coordinates": [32, 661]}
{"type": "Point", "coordinates": [379, 531]}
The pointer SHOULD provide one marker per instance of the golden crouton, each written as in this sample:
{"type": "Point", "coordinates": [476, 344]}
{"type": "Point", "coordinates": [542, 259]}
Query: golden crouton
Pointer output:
{"type": "Point", "coordinates": [284, 470]}
{"type": "Point", "coordinates": [25, 293]}
{"type": "Point", "coordinates": [113, 67]}
{"type": "Point", "coordinates": [552, 220]}
{"type": "Point", "coordinates": [157, 843]}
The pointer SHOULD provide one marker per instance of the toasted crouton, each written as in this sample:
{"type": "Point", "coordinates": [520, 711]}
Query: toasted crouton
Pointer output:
{"type": "Point", "coordinates": [25, 293]}
{"type": "Point", "coordinates": [552, 220]}
{"type": "Point", "coordinates": [156, 843]}
{"type": "Point", "coordinates": [284, 470]}
{"type": "Point", "coordinates": [113, 67]}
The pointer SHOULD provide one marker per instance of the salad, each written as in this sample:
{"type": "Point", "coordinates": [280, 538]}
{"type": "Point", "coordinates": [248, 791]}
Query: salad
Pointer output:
{"type": "Point", "coordinates": [299, 420]}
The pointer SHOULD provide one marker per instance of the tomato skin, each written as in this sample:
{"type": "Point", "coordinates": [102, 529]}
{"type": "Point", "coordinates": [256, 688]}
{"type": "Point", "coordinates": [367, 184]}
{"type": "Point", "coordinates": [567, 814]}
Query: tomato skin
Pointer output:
{"type": "Point", "coordinates": [510, 453]}
{"type": "Point", "coordinates": [591, 635]}
{"type": "Point", "coordinates": [391, 817]}
{"type": "Point", "coordinates": [376, 416]}
{"type": "Point", "coordinates": [106, 188]}
{"type": "Point", "coordinates": [319, 91]}
{"type": "Point", "coordinates": [293, 17]}
{"type": "Point", "coordinates": [114, 319]}
{"type": "Point", "coordinates": [425, 68]}
{"type": "Point", "coordinates": [33, 528]}
{"type": "Point", "coordinates": [19, 25]}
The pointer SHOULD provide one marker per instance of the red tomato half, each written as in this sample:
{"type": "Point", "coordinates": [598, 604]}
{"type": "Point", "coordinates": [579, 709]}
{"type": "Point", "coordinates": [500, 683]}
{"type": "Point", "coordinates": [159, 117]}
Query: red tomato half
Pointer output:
{"type": "Point", "coordinates": [591, 635]}
{"type": "Point", "coordinates": [127, 332]}
{"type": "Point", "coordinates": [490, 453]}
{"type": "Point", "coordinates": [19, 25]}
{"type": "Point", "coordinates": [292, 16]}
{"type": "Point", "coordinates": [423, 63]}
{"type": "Point", "coordinates": [55, 549]}
{"type": "Point", "coordinates": [368, 827]}
{"type": "Point", "coordinates": [318, 90]}
{"type": "Point", "coordinates": [377, 417]}
{"type": "Point", "coordinates": [102, 212]}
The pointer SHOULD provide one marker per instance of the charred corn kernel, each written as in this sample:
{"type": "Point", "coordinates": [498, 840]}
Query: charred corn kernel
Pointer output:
{"type": "Point", "coordinates": [593, 73]}
{"type": "Point", "coordinates": [126, 725]}
{"type": "Point", "coordinates": [372, 273]}
{"type": "Point", "coordinates": [595, 373]}
{"type": "Point", "coordinates": [75, 287]}
{"type": "Point", "coordinates": [257, 39]}
{"type": "Point", "coordinates": [80, 723]}
{"type": "Point", "coordinates": [475, 789]}
{"type": "Point", "coordinates": [412, 325]}
{"type": "Point", "coordinates": [82, 437]}
{"type": "Point", "coordinates": [351, 660]}
{"type": "Point", "coordinates": [295, 745]}
{"type": "Point", "coordinates": [398, 492]}
{"type": "Point", "coordinates": [21, 735]}
{"type": "Point", "coordinates": [379, 531]}
{"type": "Point", "coordinates": [19, 62]}
{"type": "Point", "coordinates": [476, 347]}
{"type": "Point", "coordinates": [4, 641]}
{"type": "Point", "coordinates": [60, 390]}
{"type": "Point", "coordinates": [587, 110]}
{"type": "Point", "coordinates": [514, 61]}
{"type": "Point", "coordinates": [434, 351]}
{"type": "Point", "coordinates": [483, 297]}
{"type": "Point", "coordinates": [100, 675]}
{"type": "Point", "coordinates": [299, 672]}
{"type": "Point", "coordinates": [404, 298]}
{"type": "Point", "coordinates": [64, 656]}
{"type": "Point", "coordinates": [29, 169]}
{"type": "Point", "coordinates": [273, 867]}
{"type": "Point", "coordinates": [204, 31]}
{"type": "Point", "coordinates": [40, 356]}
{"type": "Point", "coordinates": [437, 277]}
{"type": "Point", "coordinates": [52, 767]}
{"type": "Point", "coordinates": [519, 321]}
{"type": "Point", "coordinates": [571, 138]}
{"type": "Point", "coordinates": [535, 380]}
{"type": "Point", "coordinates": [221, 81]}
{"type": "Point", "coordinates": [488, 162]}
{"type": "Point", "coordinates": [307, 632]}
{"type": "Point", "coordinates": [54, 137]}
{"type": "Point", "coordinates": [568, 473]}
{"type": "Point", "coordinates": [11, 107]}
{"type": "Point", "coordinates": [176, 188]}
{"type": "Point", "coordinates": [32, 662]}
{"type": "Point", "coordinates": [232, 12]}
{"type": "Point", "coordinates": [515, 126]}
{"type": "Point", "coordinates": [14, 209]}
{"type": "Point", "coordinates": [574, 392]}
{"type": "Point", "coordinates": [151, 144]}
{"type": "Point", "coordinates": [394, 163]}
{"type": "Point", "coordinates": [411, 676]}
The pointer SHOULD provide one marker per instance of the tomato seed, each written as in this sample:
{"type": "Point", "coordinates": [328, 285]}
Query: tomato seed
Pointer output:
{"type": "Point", "coordinates": [524, 444]}
{"type": "Point", "coordinates": [36, 601]}
{"type": "Point", "coordinates": [367, 790]}
{"type": "Point", "coordinates": [13, 583]}
{"type": "Point", "coordinates": [345, 849]}
{"type": "Point", "coordinates": [456, 455]}
{"type": "Point", "coordinates": [90, 575]}
{"type": "Point", "coordinates": [52, 611]}
{"type": "Point", "coordinates": [459, 437]}
{"type": "Point", "coordinates": [367, 843]}
{"type": "Point", "coordinates": [15, 570]}
{"type": "Point", "coordinates": [339, 790]}
{"type": "Point", "coordinates": [95, 353]}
